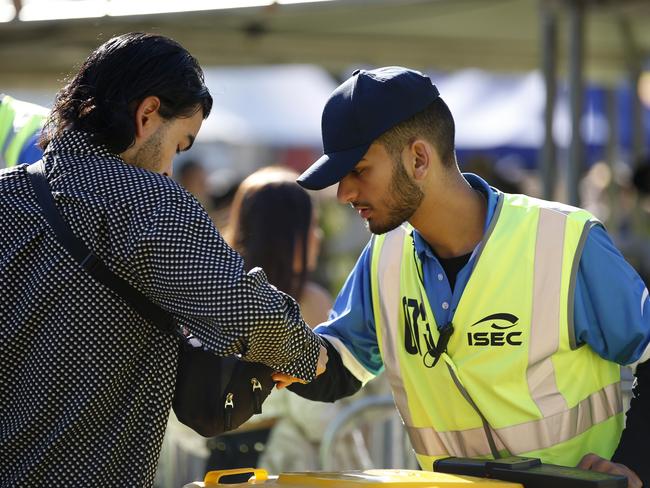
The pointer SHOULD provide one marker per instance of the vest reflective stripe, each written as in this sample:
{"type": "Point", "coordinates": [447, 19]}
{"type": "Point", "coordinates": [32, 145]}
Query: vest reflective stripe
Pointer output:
{"type": "Point", "coordinates": [561, 427]}
{"type": "Point", "coordinates": [544, 341]}
{"type": "Point", "coordinates": [389, 269]}
{"type": "Point", "coordinates": [523, 437]}
{"type": "Point", "coordinates": [551, 257]}
{"type": "Point", "coordinates": [426, 441]}
{"type": "Point", "coordinates": [572, 286]}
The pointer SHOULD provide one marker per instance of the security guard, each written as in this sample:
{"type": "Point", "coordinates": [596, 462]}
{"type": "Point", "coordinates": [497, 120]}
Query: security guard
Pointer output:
{"type": "Point", "coordinates": [502, 321]}
{"type": "Point", "coordinates": [20, 127]}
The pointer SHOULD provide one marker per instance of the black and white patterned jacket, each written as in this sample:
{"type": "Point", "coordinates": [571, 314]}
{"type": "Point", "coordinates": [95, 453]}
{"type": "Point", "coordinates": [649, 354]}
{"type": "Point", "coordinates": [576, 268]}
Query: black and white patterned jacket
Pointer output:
{"type": "Point", "coordinates": [85, 383]}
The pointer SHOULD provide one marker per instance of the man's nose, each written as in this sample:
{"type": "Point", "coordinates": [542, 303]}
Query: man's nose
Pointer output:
{"type": "Point", "coordinates": [346, 192]}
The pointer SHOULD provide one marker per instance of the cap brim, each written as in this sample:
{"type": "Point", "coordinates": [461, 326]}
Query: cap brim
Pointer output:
{"type": "Point", "coordinates": [331, 168]}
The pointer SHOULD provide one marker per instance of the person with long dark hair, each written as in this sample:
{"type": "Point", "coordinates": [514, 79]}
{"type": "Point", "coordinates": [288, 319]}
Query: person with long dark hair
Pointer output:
{"type": "Point", "coordinates": [274, 225]}
{"type": "Point", "coordinates": [86, 383]}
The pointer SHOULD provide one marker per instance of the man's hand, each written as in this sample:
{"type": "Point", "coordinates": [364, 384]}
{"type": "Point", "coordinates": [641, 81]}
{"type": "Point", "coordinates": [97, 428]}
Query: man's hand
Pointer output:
{"type": "Point", "coordinates": [283, 380]}
{"type": "Point", "coordinates": [593, 462]}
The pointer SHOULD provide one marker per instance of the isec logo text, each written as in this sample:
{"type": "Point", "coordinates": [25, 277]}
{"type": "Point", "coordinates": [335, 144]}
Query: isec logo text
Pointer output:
{"type": "Point", "coordinates": [501, 336]}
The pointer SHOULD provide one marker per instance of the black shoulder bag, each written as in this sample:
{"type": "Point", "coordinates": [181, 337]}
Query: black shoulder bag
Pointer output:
{"type": "Point", "coordinates": [213, 394]}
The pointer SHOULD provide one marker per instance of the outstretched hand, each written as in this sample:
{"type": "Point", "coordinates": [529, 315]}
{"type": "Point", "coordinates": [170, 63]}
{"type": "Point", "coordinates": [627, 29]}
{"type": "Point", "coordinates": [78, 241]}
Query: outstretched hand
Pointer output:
{"type": "Point", "coordinates": [594, 462]}
{"type": "Point", "coordinates": [283, 380]}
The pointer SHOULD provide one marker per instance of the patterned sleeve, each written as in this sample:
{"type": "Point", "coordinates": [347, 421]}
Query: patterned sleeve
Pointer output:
{"type": "Point", "coordinates": [183, 264]}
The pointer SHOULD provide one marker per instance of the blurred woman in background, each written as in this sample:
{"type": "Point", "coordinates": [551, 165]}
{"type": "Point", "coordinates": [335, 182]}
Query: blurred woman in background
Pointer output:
{"type": "Point", "coordinates": [273, 224]}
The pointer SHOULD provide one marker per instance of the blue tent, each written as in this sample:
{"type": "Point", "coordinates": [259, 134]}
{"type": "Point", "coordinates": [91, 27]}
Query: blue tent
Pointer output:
{"type": "Point", "coordinates": [501, 116]}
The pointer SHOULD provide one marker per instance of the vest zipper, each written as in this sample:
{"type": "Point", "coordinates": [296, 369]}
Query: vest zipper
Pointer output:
{"type": "Point", "coordinates": [486, 425]}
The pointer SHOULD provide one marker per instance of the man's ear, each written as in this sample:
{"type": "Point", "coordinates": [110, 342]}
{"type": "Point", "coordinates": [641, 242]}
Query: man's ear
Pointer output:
{"type": "Point", "coordinates": [421, 157]}
{"type": "Point", "coordinates": [147, 117]}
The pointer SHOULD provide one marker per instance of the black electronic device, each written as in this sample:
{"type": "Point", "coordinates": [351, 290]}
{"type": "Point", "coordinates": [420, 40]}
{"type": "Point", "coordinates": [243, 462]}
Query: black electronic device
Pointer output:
{"type": "Point", "coordinates": [530, 472]}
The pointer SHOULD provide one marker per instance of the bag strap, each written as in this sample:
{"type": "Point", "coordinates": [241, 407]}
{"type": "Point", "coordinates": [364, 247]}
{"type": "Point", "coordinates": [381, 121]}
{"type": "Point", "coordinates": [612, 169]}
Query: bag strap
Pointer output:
{"type": "Point", "coordinates": [89, 261]}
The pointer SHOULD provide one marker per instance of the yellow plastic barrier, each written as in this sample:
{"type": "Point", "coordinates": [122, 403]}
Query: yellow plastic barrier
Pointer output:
{"type": "Point", "coordinates": [374, 478]}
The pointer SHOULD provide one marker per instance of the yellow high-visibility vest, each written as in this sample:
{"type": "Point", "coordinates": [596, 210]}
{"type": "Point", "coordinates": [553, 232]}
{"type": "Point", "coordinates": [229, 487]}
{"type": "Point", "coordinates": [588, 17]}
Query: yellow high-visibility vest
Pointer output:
{"type": "Point", "coordinates": [512, 380]}
{"type": "Point", "coordinates": [19, 121]}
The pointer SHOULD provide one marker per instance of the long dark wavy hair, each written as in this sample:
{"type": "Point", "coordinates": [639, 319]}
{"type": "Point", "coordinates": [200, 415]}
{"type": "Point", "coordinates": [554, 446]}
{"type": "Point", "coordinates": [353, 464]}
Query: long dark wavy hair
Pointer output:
{"type": "Point", "coordinates": [103, 96]}
{"type": "Point", "coordinates": [269, 222]}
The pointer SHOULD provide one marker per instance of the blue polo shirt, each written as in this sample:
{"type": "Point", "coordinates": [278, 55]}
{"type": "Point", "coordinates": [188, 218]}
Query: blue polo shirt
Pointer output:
{"type": "Point", "coordinates": [611, 312]}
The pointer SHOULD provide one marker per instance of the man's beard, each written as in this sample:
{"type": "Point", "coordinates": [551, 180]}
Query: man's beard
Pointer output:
{"type": "Point", "coordinates": [404, 198]}
{"type": "Point", "coordinates": [149, 155]}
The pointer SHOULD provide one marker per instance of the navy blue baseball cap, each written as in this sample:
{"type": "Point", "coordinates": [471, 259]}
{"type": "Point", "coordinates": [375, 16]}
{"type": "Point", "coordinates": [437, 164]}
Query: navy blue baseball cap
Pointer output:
{"type": "Point", "coordinates": [360, 110]}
